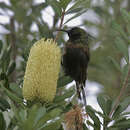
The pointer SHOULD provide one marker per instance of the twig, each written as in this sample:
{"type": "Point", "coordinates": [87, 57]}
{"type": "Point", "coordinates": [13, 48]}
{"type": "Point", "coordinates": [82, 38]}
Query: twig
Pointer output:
{"type": "Point", "coordinates": [121, 93]}
{"type": "Point", "coordinates": [13, 38]}
{"type": "Point", "coordinates": [61, 23]}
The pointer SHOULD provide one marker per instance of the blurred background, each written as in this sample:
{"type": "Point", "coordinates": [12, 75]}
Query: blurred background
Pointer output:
{"type": "Point", "coordinates": [22, 22]}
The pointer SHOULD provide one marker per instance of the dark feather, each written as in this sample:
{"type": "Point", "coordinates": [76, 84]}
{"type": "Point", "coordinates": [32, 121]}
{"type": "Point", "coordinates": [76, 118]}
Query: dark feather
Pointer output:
{"type": "Point", "coordinates": [75, 63]}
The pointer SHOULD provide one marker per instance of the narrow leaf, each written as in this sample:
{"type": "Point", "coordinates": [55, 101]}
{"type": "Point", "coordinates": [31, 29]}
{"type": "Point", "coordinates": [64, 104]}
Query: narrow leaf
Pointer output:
{"type": "Point", "coordinates": [115, 63]}
{"type": "Point", "coordinates": [2, 122]}
{"type": "Point", "coordinates": [1, 45]}
{"type": "Point", "coordinates": [11, 68]}
{"type": "Point", "coordinates": [62, 81]}
{"type": "Point", "coordinates": [121, 46]}
{"type": "Point", "coordinates": [101, 102]}
{"type": "Point", "coordinates": [76, 15]}
{"type": "Point", "coordinates": [96, 120]}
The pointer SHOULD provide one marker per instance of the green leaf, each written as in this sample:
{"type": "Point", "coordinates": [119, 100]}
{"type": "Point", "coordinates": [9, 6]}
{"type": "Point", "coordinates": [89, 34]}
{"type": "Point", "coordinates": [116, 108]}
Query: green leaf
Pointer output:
{"type": "Point", "coordinates": [119, 29]}
{"type": "Point", "coordinates": [48, 116]}
{"type": "Point", "coordinates": [33, 116]}
{"type": "Point", "coordinates": [6, 59]}
{"type": "Point", "coordinates": [1, 45]}
{"type": "Point", "coordinates": [102, 103]}
{"type": "Point", "coordinates": [125, 15]}
{"type": "Point", "coordinates": [117, 112]}
{"type": "Point", "coordinates": [68, 94]}
{"type": "Point", "coordinates": [76, 15]}
{"type": "Point", "coordinates": [64, 80]}
{"type": "Point", "coordinates": [11, 95]}
{"type": "Point", "coordinates": [11, 68]}
{"type": "Point", "coordinates": [54, 125]}
{"type": "Point", "coordinates": [84, 4]}
{"type": "Point", "coordinates": [108, 106]}
{"type": "Point", "coordinates": [125, 124]}
{"type": "Point", "coordinates": [121, 46]}
{"type": "Point", "coordinates": [56, 6]}
{"type": "Point", "coordinates": [125, 103]}
{"type": "Point", "coordinates": [76, 10]}
{"type": "Point", "coordinates": [16, 89]}
{"type": "Point", "coordinates": [40, 113]}
{"type": "Point", "coordinates": [64, 3]}
{"type": "Point", "coordinates": [3, 76]}
{"type": "Point", "coordinates": [2, 122]}
{"type": "Point", "coordinates": [93, 116]}
{"type": "Point", "coordinates": [115, 63]}
{"type": "Point", "coordinates": [4, 105]}
{"type": "Point", "coordinates": [4, 6]}
{"type": "Point", "coordinates": [84, 127]}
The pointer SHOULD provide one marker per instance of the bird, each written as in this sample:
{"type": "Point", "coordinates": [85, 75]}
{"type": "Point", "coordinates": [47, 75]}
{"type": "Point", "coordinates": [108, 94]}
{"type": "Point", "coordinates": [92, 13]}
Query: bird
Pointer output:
{"type": "Point", "coordinates": [76, 57]}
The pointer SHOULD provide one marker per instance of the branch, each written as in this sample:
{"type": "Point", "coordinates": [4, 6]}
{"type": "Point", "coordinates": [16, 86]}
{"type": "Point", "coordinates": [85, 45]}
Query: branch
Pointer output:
{"type": "Point", "coordinates": [13, 38]}
{"type": "Point", "coordinates": [121, 93]}
{"type": "Point", "coordinates": [61, 23]}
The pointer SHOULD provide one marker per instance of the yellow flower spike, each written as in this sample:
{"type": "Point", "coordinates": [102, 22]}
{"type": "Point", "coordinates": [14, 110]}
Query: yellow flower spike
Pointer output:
{"type": "Point", "coordinates": [42, 71]}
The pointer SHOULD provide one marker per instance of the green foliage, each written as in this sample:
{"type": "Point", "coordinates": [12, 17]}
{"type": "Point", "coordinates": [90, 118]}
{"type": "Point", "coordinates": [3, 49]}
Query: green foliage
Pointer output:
{"type": "Point", "coordinates": [106, 66]}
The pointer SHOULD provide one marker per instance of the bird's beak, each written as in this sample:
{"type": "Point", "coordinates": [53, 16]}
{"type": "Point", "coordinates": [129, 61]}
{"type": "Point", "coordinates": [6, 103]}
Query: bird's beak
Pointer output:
{"type": "Point", "coordinates": [62, 30]}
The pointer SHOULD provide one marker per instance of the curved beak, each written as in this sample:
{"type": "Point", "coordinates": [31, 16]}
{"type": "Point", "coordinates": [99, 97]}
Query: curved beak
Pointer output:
{"type": "Point", "coordinates": [62, 30]}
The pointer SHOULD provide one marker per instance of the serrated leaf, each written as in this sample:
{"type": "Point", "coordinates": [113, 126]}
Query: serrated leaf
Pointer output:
{"type": "Point", "coordinates": [121, 46]}
{"type": "Point", "coordinates": [2, 122]}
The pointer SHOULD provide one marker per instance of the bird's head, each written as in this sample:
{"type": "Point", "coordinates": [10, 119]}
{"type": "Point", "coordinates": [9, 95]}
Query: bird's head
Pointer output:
{"type": "Point", "coordinates": [75, 33]}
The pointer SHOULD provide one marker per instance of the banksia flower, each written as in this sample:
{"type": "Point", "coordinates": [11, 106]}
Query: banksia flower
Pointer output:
{"type": "Point", "coordinates": [74, 119]}
{"type": "Point", "coordinates": [42, 71]}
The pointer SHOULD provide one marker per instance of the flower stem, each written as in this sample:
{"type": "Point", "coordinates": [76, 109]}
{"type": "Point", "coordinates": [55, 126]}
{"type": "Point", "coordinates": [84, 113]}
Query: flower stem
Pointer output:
{"type": "Point", "coordinates": [61, 23]}
{"type": "Point", "coordinates": [121, 93]}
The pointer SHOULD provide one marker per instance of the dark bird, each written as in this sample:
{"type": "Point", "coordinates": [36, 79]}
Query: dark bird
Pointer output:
{"type": "Point", "coordinates": [76, 58]}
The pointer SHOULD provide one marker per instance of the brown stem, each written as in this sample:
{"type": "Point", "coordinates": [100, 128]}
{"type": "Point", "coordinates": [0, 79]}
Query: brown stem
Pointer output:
{"type": "Point", "coordinates": [121, 93]}
{"type": "Point", "coordinates": [13, 45]}
{"type": "Point", "coordinates": [13, 38]}
{"type": "Point", "coordinates": [61, 23]}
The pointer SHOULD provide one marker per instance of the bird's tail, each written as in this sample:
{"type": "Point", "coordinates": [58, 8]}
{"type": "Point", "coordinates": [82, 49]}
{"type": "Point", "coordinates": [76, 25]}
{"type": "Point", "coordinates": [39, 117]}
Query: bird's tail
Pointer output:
{"type": "Point", "coordinates": [80, 89]}
{"type": "Point", "coordinates": [83, 94]}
